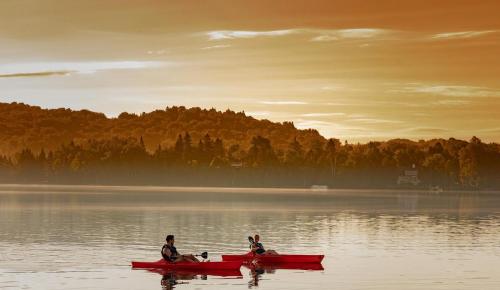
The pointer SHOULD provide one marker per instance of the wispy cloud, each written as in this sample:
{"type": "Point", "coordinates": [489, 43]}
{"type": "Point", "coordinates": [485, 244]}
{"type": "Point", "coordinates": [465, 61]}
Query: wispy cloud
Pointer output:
{"type": "Point", "coordinates": [462, 34]}
{"type": "Point", "coordinates": [232, 34]}
{"type": "Point", "coordinates": [36, 74]}
{"type": "Point", "coordinates": [490, 130]}
{"type": "Point", "coordinates": [375, 121]}
{"type": "Point", "coordinates": [157, 52]}
{"type": "Point", "coordinates": [451, 90]}
{"type": "Point", "coordinates": [329, 35]}
{"type": "Point", "coordinates": [338, 104]}
{"type": "Point", "coordinates": [317, 34]}
{"type": "Point", "coordinates": [40, 69]}
{"type": "Point", "coordinates": [216, 46]}
{"type": "Point", "coordinates": [283, 103]}
{"type": "Point", "coordinates": [303, 124]}
{"type": "Point", "coordinates": [355, 33]}
{"type": "Point", "coordinates": [333, 128]}
{"type": "Point", "coordinates": [426, 130]}
{"type": "Point", "coordinates": [452, 102]}
{"type": "Point", "coordinates": [331, 88]}
{"type": "Point", "coordinates": [322, 114]}
{"type": "Point", "coordinates": [258, 113]}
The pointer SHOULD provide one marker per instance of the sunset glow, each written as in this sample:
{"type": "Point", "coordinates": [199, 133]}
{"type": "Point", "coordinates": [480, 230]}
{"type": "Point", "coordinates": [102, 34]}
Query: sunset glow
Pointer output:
{"type": "Point", "coordinates": [355, 70]}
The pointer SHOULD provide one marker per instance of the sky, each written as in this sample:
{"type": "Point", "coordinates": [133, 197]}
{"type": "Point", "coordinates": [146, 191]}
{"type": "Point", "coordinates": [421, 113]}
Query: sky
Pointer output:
{"type": "Point", "coordinates": [353, 70]}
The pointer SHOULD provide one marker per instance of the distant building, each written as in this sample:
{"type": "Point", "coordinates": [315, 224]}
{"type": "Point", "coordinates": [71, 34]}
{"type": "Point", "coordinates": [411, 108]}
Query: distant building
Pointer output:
{"type": "Point", "coordinates": [409, 176]}
{"type": "Point", "coordinates": [237, 164]}
{"type": "Point", "coordinates": [316, 187]}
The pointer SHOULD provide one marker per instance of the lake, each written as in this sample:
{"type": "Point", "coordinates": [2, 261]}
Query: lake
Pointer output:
{"type": "Point", "coordinates": [84, 237]}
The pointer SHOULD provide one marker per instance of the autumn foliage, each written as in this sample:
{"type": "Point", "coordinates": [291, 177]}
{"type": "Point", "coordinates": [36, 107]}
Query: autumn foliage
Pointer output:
{"type": "Point", "coordinates": [197, 147]}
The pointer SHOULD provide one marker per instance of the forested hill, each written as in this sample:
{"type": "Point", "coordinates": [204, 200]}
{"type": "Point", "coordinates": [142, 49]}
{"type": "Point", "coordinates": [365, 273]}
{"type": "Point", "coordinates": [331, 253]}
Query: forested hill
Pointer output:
{"type": "Point", "coordinates": [23, 126]}
{"type": "Point", "coordinates": [195, 147]}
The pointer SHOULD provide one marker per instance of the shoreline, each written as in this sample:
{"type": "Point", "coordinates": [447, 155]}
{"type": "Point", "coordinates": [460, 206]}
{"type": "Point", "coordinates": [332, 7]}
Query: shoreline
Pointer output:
{"type": "Point", "coordinates": [212, 189]}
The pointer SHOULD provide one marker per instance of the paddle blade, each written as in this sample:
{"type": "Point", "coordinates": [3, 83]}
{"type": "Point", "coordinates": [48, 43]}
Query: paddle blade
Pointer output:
{"type": "Point", "coordinates": [204, 255]}
{"type": "Point", "coordinates": [251, 240]}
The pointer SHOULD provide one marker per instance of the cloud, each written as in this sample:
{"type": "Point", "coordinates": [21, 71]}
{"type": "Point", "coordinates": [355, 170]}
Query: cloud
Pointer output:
{"type": "Point", "coordinates": [462, 34]}
{"type": "Point", "coordinates": [375, 121]}
{"type": "Point", "coordinates": [339, 104]}
{"type": "Point", "coordinates": [452, 102]}
{"type": "Point", "coordinates": [426, 130]}
{"type": "Point", "coordinates": [157, 52]}
{"type": "Point", "coordinates": [216, 46]}
{"type": "Point", "coordinates": [232, 34]}
{"type": "Point", "coordinates": [36, 74]}
{"type": "Point", "coordinates": [329, 35]}
{"type": "Point", "coordinates": [451, 90]}
{"type": "Point", "coordinates": [355, 33]}
{"type": "Point", "coordinates": [333, 128]}
{"type": "Point", "coordinates": [304, 124]}
{"type": "Point", "coordinates": [283, 103]}
{"type": "Point", "coordinates": [258, 113]}
{"type": "Point", "coordinates": [490, 130]}
{"type": "Point", "coordinates": [322, 114]}
{"type": "Point", "coordinates": [319, 35]}
{"type": "Point", "coordinates": [331, 88]}
{"type": "Point", "coordinates": [325, 38]}
{"type": "Point", "coordinates": [40, 69]}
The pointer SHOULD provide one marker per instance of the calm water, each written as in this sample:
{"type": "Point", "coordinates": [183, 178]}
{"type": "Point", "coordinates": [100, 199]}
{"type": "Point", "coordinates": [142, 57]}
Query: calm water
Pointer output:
{"type": "Point", "coordinates": [85, 237]}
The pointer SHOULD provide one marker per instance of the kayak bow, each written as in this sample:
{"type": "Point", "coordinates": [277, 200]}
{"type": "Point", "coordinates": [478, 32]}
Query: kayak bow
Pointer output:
{"type": "Point", "coordinates": [284, 266]}
{"type": "Point", "coordinates": [281, 258]}
{"type": "Point", "coordinates": [162, 264]}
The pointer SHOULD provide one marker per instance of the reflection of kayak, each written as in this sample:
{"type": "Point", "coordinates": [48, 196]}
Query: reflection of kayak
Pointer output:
{"type": "Point", "coordinates": [162, 264]}
{"type": "Point", "coordinates": [282, 258]}
{"type": "Point", "coordinates": [208, 272]}
{"type": "Point", "coordinates": [285, 266]}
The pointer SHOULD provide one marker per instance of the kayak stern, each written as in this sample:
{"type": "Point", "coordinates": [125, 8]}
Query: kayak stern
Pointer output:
{"type": "Point", "coordinates": [162, 264]}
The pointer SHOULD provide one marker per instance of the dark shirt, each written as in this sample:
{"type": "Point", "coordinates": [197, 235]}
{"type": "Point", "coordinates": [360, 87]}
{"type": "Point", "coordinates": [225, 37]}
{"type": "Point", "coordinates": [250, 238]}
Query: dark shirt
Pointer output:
{"type": "Point", "coordinates": [173, 253]}
{"type": "Point", "coordinates": [259, 248]}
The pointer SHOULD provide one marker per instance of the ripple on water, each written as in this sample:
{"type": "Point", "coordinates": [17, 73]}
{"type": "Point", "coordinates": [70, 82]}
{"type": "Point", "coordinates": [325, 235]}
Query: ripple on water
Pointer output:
{"type": "Point", "coordinates": [390, 242]}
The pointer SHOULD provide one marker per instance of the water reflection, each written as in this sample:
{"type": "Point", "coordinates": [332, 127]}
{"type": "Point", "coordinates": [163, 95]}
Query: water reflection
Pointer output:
{"type": "Point", "coordinates": [170, 279]}
{"type": "Point", "coordinates": [255, 274]}
{"type": "Point", "coordinates": [415, 240]}
{"type": "Point", "coordinates": [257, 270]}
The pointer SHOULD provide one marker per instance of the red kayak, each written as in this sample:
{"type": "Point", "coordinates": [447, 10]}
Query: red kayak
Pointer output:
{"type": "Point", "coordinates": [285, 266]}
{"type": "Point", "coordinates": [281, 258]}
{"type": "Point", "coordinates": [162, 264]}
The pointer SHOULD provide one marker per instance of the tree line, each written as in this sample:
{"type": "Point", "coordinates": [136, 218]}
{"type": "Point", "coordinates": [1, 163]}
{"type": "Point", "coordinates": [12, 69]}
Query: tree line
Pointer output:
{"type": "Point", "coordinates": [213, 161]}
{"type": "Point", "coordinates": [23, 126]}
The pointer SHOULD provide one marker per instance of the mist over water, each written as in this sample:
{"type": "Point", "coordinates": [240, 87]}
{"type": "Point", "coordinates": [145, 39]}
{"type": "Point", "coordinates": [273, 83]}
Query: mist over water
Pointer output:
{"type": "Point", "coordinates": [86, 237]}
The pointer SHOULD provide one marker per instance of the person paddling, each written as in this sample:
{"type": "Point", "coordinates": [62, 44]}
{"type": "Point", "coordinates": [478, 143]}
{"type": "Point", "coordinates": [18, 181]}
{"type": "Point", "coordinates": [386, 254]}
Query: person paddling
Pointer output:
{"type": "Point", "coordinates": [170, 254]}
{"type": "Point", "coordinates": [257, 247]}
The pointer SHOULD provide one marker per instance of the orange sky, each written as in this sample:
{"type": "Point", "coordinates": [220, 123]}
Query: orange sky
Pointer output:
{"type": "Point", "coordinates": [355, 70]}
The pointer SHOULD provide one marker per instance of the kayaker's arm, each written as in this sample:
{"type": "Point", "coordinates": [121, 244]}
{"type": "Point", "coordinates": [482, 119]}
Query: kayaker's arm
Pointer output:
{"type": "Point", "coordinates": [168, 253]}
{"type": "Point", "coordinates": [255, 249]}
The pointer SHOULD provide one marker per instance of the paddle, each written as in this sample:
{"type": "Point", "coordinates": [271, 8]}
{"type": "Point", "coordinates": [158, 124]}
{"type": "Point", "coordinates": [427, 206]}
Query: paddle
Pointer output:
{"type": "Point", "coordinates": [204, 255]}
{"type": "Point", "coordinates": [251, 241]}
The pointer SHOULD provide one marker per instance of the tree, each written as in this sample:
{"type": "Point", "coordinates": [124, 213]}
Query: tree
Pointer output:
{"type": "Point", "coordinates": [187, 150]}
{"type": "Point", "coordinates": [469, 158]}
{"type": "Point", "coordinates": [294, 156]}
{"type": "Point", "coordinates": [331, 149]}
{"type": "Point", "coordinates": [261, 153]}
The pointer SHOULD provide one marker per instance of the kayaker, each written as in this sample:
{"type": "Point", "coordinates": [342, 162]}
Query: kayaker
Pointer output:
{"type": "Point", "coordinates": [258, 248]}
{"type": "Point", "coordinates": [170, 254]}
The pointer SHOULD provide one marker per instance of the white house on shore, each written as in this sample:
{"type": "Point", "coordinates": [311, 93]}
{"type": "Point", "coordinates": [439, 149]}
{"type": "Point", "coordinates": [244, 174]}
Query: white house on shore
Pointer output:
{"type": "Point", "coordinates": [409, 176]}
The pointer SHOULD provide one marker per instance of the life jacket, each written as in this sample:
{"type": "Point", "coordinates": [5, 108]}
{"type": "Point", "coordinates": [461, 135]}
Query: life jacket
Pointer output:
{"type": "Point", "coordinates": [173, 253]}
{"type": "Point", "coordinates": [259, 248]}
